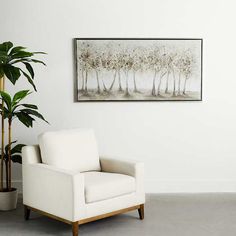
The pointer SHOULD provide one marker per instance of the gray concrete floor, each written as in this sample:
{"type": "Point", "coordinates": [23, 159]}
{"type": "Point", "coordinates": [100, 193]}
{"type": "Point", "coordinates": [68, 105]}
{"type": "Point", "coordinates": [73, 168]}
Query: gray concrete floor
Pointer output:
{"type": "Point", "coordinates": [165, 215]}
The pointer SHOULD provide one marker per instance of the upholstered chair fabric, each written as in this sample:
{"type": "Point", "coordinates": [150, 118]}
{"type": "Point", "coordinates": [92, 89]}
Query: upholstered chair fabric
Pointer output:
{"type": "Point", "coordinates": [65, 177]}
{"type": "Point", "coordinates": [103, 185]}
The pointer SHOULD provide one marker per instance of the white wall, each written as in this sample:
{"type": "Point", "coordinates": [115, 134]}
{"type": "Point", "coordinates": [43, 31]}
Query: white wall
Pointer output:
{"type": "Point", "coordinates": [186, 146]}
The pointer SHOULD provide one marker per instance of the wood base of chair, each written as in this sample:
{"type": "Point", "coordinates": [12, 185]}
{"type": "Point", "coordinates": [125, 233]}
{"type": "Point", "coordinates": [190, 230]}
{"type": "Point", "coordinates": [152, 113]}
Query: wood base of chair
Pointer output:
{"type": "Point", "coordinates": [75, 228]}
{"type": "Point", "coordinates": [75, 225]}
{"type": "Point", "coordinates": [141, 212]}
{"type": "Point", "coordinates": [26, 212]}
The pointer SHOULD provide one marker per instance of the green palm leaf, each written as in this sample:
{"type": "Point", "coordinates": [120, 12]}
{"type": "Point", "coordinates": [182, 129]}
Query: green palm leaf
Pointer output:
{"type": "Point", "coordinates": [6, 46]}
{"type": "Point", "coordinates": [25, 119]}
{"type": "Point", "coordinates": [16, 49]}
{"type": "Point", "coordinates": [19, 96]}
{"type": "Point", "coordinates": [25, 113]}
{"type": "Point", "coordinates": [11, 56]}
{"type": "Point", "coordinates": [29, 68]}
{"type": "Point", "coordinates": [6, 98]}
{"type": "Point", "coordinates": [16, 159]}
{"type": "Point", "coordinates": [34, 113]}
{"type": "Point", "coordinates": [11, 72]}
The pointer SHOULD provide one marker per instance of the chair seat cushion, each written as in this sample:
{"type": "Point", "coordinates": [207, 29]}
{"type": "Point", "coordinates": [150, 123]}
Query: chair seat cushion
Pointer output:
{"type": "Point", "coordinates": [103, 185]}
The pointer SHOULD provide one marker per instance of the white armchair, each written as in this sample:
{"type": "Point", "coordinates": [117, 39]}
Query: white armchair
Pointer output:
{"type": "Point", "coordinates": [64, 178]}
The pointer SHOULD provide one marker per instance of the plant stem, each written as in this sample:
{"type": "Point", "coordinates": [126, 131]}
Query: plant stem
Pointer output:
{"type": "Point", "coordinates": [2, 87]}
{"type": "Point", "coordinates": [9, 153]}
{"type": "Point", "coordinates": [7, 174]}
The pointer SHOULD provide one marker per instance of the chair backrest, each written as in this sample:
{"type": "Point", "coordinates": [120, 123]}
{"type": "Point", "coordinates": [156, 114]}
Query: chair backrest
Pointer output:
{"type": "Point", "coordinates": [31, 155]}
{"type": "Point", "coordinates": [74, 149]}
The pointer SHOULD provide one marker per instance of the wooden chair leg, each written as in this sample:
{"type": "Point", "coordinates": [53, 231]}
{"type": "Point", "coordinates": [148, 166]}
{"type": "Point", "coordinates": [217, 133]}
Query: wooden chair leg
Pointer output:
{"type": "Point", "coordinates": [141, 212]}
{"type": "Point", "coordinates": [26, 213]}
{"type": "Point", "coordinates": [75, 228]}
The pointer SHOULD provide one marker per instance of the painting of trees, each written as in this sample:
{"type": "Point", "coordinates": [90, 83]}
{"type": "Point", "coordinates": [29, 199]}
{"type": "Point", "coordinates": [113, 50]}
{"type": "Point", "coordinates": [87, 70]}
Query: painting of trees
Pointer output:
{"type": "Point", "coordinates": [139, 69]}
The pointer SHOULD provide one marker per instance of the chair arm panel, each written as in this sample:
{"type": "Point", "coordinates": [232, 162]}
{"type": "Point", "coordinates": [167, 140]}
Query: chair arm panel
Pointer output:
{"type": "Point", "coordinates": [131, 168]}
{"type": "Point", "coordinates": [50, 189]}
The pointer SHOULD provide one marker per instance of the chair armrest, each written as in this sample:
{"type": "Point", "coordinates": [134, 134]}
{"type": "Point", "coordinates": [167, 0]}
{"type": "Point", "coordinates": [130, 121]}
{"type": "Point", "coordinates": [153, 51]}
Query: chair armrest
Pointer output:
{"type": "Point", "coordinates": [131, 168]}
{"type": "Point", "coordinates": [55, 191]}
{"type": "Point", "coordinates": [127, 167]}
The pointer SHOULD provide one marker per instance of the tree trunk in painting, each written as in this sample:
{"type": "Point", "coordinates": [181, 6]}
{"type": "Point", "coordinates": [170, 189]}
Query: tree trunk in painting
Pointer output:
{"type": "Point", "coordinates": [167, 82]}
{"type": "Point", "coordinates": [135, 84]}
{"type": "Point", "coordinates": [82, 77]}
{"type": "Point", "coordinates": [98, 85]}
{"type": "Point", "coordinates": [159, 85]}
{"type": "Point", "coordinates": [104, 86]}
{"type": "Point", "coordinates": [154, 84]}
{"type": "Point", "coordinates": [114, 79]}
{"type": "Point", "coordinates": [127, 84]}
{"type": "Point", "coordinates": [179, 84]}
{"type": "Point", "coordinates": [174, 93]}
{"type": "Point", "coordinates": [86, 81]}
{"type": "Point", "coordinates": [185, 82]}
{"type": "Point", "coordinates": [120, 86]}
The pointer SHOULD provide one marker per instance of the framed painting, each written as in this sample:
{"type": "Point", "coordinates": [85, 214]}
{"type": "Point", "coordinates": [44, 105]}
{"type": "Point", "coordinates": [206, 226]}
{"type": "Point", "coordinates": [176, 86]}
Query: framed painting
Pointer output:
{"type": "Point", "coordinates": [138, 69]}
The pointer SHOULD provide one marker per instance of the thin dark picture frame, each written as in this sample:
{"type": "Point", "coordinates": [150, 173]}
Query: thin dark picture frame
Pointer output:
{"type": "Point", "coordinates": [136, 100]}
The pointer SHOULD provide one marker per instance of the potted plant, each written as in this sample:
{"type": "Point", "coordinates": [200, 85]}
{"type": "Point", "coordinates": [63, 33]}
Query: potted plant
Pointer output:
{"type": "Point", "coordinates": [11, 61]}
